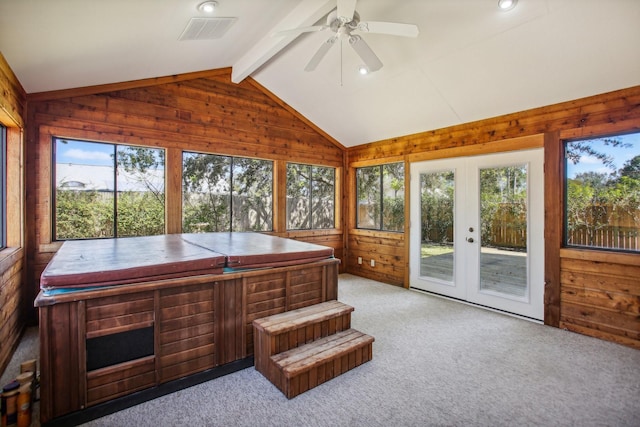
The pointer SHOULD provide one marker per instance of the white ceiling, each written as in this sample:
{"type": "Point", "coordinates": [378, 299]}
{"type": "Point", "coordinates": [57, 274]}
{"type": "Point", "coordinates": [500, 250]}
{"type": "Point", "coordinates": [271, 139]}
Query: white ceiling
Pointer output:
{"type": "Point", "coordinates": [471, 61]}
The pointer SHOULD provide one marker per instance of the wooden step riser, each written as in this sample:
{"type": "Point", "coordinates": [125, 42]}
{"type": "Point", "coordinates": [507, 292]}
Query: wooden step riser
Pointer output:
{"type": "Point", "coordinates": [321, 373]}
{"type": "Point", "coordinates": [267, 345]}
{"type": "Point", "coordinates": [295, 338]}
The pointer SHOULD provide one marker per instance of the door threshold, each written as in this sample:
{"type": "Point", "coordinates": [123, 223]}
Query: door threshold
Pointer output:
{"type": "Point", "coordinates": [472, 304]}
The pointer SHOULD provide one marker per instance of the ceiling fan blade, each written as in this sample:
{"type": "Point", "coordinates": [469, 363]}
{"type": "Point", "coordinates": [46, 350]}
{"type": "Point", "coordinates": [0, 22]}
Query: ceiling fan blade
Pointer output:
{"type": "Point", "coordinates": [324, 48]}
{"type": "Point", "coordinates": [301, 30]}
{"type": "Point", "coordinates": [391, 28]}
{"type": "Point", "coordinates": [346, 9]}
{"type": "Point", "coordinates": [366, 54]}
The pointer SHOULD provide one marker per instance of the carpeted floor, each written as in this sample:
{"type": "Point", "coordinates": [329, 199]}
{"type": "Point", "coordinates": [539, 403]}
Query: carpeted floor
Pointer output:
{"type": "Point", "coordinates": [435, 363]}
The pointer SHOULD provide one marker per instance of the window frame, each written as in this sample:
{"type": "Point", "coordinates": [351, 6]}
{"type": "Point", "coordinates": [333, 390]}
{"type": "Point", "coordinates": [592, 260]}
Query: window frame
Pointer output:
{"type": "Point", "coordinates": [115, 146]}
{"type": "Point", "coordinates": [565, 191]}
{"type": "Point", "coordinates": [230, 186]}
{"type": "Point", "coordinates": [311, 186]}
{"type": "Point", "coordinates": [381, 215]}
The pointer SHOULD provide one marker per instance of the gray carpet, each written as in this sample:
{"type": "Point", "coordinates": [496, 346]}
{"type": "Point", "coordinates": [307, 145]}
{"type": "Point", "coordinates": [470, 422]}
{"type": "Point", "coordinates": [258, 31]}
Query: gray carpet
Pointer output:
{"type": "Point", "coordinates": [435, 363]}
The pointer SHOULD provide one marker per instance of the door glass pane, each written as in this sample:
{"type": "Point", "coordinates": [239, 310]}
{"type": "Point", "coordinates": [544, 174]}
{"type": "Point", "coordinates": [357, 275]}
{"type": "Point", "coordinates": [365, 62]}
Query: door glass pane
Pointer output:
{"type": "Point", "coordinates": [503, 226]}
{"type": "Point", "coordinates": [436, 225]}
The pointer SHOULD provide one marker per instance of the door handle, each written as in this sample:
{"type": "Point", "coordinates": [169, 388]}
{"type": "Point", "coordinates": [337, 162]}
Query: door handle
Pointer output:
{"type": "Point", "coordinates": [470, 239]}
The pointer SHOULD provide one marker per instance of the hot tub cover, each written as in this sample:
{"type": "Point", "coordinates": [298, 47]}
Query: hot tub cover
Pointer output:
{"type": "Point", "coordinates": [90, 263]}
{"type": "Point", "coordinates": [244, 250]}
{"type": "Point", "coordinates": [96, 263]}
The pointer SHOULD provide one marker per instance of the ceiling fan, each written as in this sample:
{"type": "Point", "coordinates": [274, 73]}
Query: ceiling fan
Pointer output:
{"type": "Point", "coordinates": [343, 21]}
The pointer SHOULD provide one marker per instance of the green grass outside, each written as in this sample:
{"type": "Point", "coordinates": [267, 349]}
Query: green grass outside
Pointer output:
{"type": "Point", "coordinates": [431, 249]}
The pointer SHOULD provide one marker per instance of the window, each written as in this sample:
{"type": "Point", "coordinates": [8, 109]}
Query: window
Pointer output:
{"type": "Point", "coordinates": [107, 190]}
{"type": "Point", "coordinates": [380, 194]}
{"type": "Point", "coordinates": [602, 203]}
{"type": "Point", "coordinates": [310, 197]}
{"type": "Point", "coordinates": [222, 193]}
{"type": "Point", "coordinates": [3, 187]}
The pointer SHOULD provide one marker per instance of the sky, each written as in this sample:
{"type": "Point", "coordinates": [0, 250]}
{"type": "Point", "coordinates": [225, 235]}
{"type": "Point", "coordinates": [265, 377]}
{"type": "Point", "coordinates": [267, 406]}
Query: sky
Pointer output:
{"type": "Point", "coordinates": [97, 154]}
{"type": "Point", "coordinates": [85, 153]}
{"type": "Point", "coordinates": [91, 164]}
{"type": "Point", "coordinates": [620, 155]}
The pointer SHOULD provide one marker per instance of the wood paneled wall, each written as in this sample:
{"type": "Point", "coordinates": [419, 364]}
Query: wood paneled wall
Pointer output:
{"type": "Point", "coordinates": [202, 112]}
{"type": "Point", "coordinates": [12, 271]}
{"type": "Point", "coordinates": [206, 112]}
{"type": "Point", "coordinates": [600, 295]}
{"type": "Point", "coordinates": [12, 97]}
{"type": "Point", "coordinates": [576, 296]}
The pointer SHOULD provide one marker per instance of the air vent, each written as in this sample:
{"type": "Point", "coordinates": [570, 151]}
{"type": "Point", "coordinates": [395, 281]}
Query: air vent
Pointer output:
{"type": "Point", "coordinates": [206, 28]}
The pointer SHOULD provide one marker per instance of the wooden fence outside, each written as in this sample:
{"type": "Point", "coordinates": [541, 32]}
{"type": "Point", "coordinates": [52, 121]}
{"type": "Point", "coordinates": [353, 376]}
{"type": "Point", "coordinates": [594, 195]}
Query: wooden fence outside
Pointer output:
{"type": "Point", "coordinates": [606, 237]}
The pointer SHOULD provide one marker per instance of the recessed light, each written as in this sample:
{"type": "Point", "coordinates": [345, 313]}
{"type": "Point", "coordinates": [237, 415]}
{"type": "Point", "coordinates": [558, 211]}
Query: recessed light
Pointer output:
{"type": "Point", "coordinates": [507, 4]}
{"type": "Point", "coordinates": [207, 6]}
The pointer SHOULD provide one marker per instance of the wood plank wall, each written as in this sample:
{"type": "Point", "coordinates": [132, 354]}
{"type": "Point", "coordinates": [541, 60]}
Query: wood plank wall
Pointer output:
{"type": "Point", "coordinates": [201, 112]}
{"type": "Point", "coordinates": [576, 296]}
{"type": "Point", "coordinates": [205, 112]}
{"type": "Point", "coordinates": [12, 271]}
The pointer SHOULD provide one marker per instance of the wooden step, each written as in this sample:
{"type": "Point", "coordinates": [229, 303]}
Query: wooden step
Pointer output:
{"type": "Point", "coordinates": [307, 366]}
{"type": "Point", "coordinates": [281, 332]}
{"type": "Point", "coordinates": [295, 319]}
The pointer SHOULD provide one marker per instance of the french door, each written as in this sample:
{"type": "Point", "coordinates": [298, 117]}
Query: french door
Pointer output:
{"type": "Point", "coordinates": [477, 227]}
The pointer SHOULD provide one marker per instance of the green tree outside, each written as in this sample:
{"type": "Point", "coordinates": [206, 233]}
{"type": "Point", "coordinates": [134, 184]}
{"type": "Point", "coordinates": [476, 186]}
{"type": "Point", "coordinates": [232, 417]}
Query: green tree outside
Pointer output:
{"type": "Point", "coordinates": [603, 208]}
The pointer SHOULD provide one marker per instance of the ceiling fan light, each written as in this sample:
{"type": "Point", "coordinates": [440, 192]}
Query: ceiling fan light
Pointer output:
{"type": "Point", "coordinates": [506, 5]}
{"type": "Point", "coordinates": [362, 70]}
{"type": "Point", "coordinates": [207, 6]}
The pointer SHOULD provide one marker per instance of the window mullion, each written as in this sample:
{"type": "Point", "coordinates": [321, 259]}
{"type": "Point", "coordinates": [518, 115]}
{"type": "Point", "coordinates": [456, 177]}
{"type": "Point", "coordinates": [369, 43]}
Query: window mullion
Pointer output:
{"type": "Point", "coordinates": [231, 193]}
{"type": "Point", "coordinates": [3, 187]}
{"type": "Point", "coordinates": [115, 190]}
{"type": "Point", "coordinates": [381, 197]}
{"type": "Point", "coordinates": [310, 197]}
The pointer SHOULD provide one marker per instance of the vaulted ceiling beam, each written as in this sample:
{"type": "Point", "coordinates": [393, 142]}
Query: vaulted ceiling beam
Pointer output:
{"type": "Point", "coordinates": [307, 13]}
